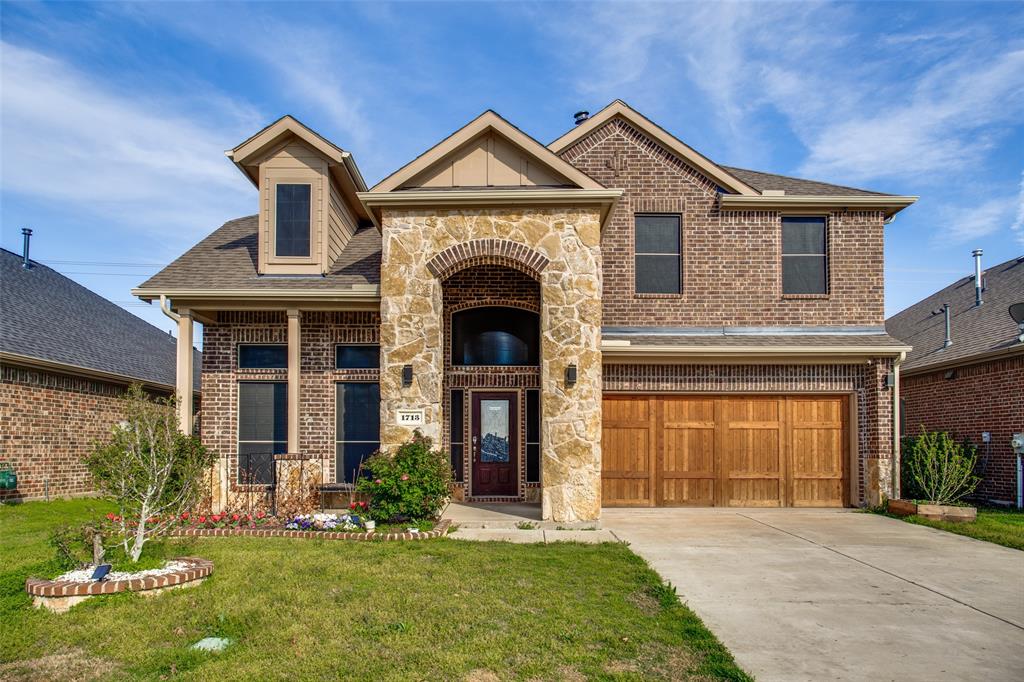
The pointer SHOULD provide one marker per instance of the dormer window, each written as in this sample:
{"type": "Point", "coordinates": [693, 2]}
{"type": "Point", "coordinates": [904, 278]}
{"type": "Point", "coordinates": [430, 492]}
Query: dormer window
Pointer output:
{"type": "Point", "coordinates": [293, 220]}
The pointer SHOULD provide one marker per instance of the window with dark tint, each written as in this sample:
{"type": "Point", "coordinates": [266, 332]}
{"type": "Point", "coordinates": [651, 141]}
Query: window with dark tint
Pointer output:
{"type": "Point", "coordinates": [657, 256]}
{"type": "Point", "coordinates": [263, 357]}
{"type": "Point", "coordinates": [357, 357]}
{"type": "Point", "coordinates": [357, 427]}
{"type": "Point", "coordinates": [533, 436]}
{"type": "Point", "coordinates": [262, 428]}
{"type": "Point", "coordinates": [495, 336]}
{"type": "Point", "coordinates": [804, 256]}
{"type": "Point", "coordinates": [292, 229]}
{"type": "Point", "coordinates": [456, 433]}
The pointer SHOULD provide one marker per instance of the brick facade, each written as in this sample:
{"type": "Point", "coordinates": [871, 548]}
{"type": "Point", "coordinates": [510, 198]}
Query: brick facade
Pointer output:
{"type": "Point", "coordinates": [865, 382]}
{"type": "Point", "coordinates": [982, 397]}
{"type": "Point", "coordinates": [732, 274]}
{"type": "Point", "coordinates": [320, 332]}
{"type": "Point", "coordinates": [48, 422]}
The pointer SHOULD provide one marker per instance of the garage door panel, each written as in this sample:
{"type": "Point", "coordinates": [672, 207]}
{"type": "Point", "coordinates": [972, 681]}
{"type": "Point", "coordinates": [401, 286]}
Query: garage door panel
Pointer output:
{"type": "Point", "coordinates": [757, 451]}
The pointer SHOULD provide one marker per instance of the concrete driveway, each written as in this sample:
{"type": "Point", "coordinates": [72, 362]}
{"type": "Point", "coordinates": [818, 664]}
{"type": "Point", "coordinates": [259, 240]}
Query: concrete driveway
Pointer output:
{"type": "Point", "coordinates": [839, 595]}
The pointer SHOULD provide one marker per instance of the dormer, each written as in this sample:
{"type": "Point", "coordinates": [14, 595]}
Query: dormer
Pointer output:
{"type": "Point", "coordinates": [307, 194]}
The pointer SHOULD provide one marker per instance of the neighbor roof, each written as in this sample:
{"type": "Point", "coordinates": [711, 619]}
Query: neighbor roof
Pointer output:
{"type": "Point", "coordinates": [46, 317]}
{"type": "Point", "coordinates": [226, 260]}
{"type": "Point", "coordinates": [976, 331]}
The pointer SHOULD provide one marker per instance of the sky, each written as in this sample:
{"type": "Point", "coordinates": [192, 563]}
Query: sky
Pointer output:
{"type": "Point", "coordinates": [114, 117]}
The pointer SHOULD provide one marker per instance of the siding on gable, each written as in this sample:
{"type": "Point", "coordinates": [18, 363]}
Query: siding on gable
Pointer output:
{"type": "Point", "coordinates": [732, 272]}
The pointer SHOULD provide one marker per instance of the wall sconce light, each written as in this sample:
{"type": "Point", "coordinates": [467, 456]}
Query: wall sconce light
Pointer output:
{"type": "Point", "coordinates": [890, 380]}
{"type": "Point", "coordinates": [570, 375]}
{"type": "Point", "coordinates": [407, 375]}
{"type": "Point", "coordinates": [950, 374]}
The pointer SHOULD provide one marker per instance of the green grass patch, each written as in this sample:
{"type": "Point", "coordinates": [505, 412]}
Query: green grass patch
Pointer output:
{"type": "Point", "coordinates": [1001, 526]}
{"type": "Point", "coordinates": [317, 609]}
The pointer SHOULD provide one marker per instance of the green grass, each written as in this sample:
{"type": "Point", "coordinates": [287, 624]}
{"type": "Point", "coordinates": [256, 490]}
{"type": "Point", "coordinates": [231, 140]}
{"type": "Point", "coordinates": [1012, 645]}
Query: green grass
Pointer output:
{"type": "Point", "coordinates": [313, 609]}
{"type": "Point", "coordinates": [1001, 526]}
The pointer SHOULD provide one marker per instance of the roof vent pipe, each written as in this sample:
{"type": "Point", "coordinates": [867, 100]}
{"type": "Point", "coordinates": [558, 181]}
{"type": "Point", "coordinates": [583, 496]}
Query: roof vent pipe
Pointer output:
{"type": "Point", "coordinates": [25, 262]}
{"type": "Point", "coordinates": [978, 284]}
{"type": "Point", "coordinates": [581, 116]}
{"type": "Point", "coordinates": [944, 310]}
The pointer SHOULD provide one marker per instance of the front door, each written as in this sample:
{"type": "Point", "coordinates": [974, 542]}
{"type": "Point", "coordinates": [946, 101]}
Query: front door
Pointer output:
{"type": "Point", "coordinates": [495, 443]}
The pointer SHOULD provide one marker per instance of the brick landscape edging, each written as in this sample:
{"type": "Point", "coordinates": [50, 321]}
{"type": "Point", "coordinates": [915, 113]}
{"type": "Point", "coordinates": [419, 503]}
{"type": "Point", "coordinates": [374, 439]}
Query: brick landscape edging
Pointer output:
{"type": "Point", "coordinates": [439, 530]}
{"type": "Point", "coordinates": [199, 569]}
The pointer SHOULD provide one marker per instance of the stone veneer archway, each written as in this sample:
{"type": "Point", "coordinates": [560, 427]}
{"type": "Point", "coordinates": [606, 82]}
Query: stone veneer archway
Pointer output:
{"type": "Point", "coordinates": [562, 246]}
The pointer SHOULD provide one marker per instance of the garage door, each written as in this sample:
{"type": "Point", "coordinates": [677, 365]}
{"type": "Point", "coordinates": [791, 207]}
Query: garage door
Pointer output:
{"type": "Point", "coordinates": [739, 451]}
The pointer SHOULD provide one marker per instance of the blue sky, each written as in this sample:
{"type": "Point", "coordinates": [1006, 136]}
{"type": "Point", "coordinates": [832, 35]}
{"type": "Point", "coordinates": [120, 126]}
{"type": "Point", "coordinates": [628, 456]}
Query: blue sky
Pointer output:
{"type": "Point", "coordinates": [115, 116]}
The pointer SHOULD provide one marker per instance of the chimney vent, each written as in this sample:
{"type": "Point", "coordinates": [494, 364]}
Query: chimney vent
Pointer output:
{"type": "Point", "coordinates": [944, 310]}
{"type": "Point", "coordinates": [581, 116]}
{"type": "Point", "coordinates": [25, 262]}
{"type": "Point", "coordinates": [979, 285]}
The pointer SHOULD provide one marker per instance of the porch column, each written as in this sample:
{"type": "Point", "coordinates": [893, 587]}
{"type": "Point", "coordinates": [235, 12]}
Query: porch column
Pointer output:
{"type": "Point", "coordinates": [183, 374]}
{"type": "Point", "coordinates": [294, 373]}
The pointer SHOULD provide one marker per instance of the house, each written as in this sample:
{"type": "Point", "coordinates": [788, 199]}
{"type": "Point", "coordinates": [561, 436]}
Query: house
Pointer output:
{"type": "Point", "coordinates": [965, 374]}
{"type": "Point", "coordinates": [67, 355]}
{"type": "Point", "coordinates": [611, 319]}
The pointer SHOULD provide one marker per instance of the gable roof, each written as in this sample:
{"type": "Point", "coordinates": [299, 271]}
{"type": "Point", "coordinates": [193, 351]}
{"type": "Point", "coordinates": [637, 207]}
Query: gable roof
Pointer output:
{"type": "Point", "coordinates": [51, 320]}
{"type": "Point", "coordinates": [489, 120]}
{"type": "Point", "coordinates": [620, 109]}
{"type": "Point", "coordinates": [225, 261]}
{"type": "Point", "coordinates": [977, 331]}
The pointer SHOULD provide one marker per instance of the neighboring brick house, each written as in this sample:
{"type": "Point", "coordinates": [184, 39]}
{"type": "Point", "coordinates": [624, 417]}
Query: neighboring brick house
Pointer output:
{"type": "Point", "coordinates": [974, 384]}
{"type": "Point", "coordinates": [612, 319]}
{"type": "Point", "coordinates": [67, 355]}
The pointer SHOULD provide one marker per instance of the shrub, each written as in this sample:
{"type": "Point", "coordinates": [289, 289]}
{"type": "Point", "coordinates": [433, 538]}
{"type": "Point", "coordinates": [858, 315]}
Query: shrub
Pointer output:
{"type": "Point", "coordinates": [937, 469]}
{"type": "Point", "coordinates": [151, 470]}
{"type": "Point", "coordinates": [412, 483]}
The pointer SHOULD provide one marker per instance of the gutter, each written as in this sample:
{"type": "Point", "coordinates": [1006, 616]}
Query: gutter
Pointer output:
{"type": "Point", "coordinates": [965, 361]}
{"type": "Point", "coordinates": [892, 204]}
{"type": "Point", "coordinates": [66, 368]}
{"type": "Point", "coordinates": [615, 347]}
{"type": "Point", "coordinates": [896, 435]}
{"type": "Point", "coordinates": [487, 196]}
{"type": "Point", "coordinates": [360, 294]}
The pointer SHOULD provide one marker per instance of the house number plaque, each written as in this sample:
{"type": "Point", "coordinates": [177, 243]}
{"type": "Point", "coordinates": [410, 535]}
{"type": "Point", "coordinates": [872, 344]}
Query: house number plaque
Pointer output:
{"type": "Point", "coordinates": [411, 418]}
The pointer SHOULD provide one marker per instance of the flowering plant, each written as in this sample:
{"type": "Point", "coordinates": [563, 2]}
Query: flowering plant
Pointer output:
{"type": "Point", "coordinates": [327, 522]}
{"type": "Point", "coordinates": [224, 520]}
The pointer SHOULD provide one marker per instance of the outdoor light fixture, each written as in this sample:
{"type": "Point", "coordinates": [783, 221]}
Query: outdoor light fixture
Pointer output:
{"type": "Point", "coordinates": [570, 375]}
{"type": "Point", "coordinates": [407, 375]}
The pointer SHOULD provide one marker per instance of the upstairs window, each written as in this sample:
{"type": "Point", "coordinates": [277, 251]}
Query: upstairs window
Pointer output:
{"type": "Point", "coordinates": [657, 252]}
{"type": "Point", "coordinates": [804, 256]}
{"type": "Point", "coordinates": [357, 357]}
{"type": "Point", "coordinates": [262, 356]}
{"type": "Point", "coordinates": [293, 219]}
{"type": "Point", "coordinates": [495, 336]}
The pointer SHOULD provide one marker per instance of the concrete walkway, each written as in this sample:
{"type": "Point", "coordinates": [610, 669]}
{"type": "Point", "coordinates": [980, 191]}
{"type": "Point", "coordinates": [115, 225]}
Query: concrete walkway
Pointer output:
{"type": "Point", "coordinates": [839, 595]}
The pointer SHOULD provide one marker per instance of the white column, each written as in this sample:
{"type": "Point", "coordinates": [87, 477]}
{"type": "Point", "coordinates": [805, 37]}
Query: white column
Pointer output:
{"type": "Point", "coordinates": [184, 371]}
{"type": "Point", "coordinates": [294, 374]}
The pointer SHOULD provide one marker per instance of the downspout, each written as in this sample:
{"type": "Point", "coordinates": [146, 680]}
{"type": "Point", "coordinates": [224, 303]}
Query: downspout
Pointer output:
{"type": "Point", "coordinates": [896, 425]}
{"type": "Point", "coordinates": [166, 310]}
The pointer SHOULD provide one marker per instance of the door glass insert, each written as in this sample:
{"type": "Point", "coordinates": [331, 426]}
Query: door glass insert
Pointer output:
{"type": "Point", "coordinates": [494, 433]}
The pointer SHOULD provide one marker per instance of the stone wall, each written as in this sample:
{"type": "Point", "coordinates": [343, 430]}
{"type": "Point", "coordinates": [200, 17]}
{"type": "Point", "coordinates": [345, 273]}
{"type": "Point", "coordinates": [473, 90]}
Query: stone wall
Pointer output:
{"type": "Point", "coordinates": [866, 382]}
{"type": "Point", "coordinates": [987, 396]}
{"type": "Point", "coordinates": [561, 248]}
{"type": "Point", "coordinates": [731, 262]}
{"type": "Point", "coordinates": [48, 422]}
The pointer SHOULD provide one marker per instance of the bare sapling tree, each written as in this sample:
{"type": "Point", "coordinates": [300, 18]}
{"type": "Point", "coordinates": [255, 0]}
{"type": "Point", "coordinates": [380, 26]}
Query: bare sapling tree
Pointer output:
{"type": "Point", "coordinates": [152, 471]}
{"type": "Point", "coordinates": [941, 468]}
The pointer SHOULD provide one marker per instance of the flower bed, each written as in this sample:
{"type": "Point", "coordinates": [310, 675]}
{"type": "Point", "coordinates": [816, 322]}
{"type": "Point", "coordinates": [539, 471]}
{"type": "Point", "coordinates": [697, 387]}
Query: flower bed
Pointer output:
{"type": "Point", "coordinates": [61, 594]}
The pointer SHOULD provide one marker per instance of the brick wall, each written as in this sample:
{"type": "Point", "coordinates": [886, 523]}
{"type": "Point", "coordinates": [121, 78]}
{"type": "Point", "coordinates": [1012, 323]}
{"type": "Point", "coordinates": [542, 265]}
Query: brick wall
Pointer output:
{"type": "Point", "coordinates": [983, 397]}
{"type": "Point", "coordinates": [48, 423]}
{"type": "Point", "coordinates": [731, 262]}
{"type": "Point", "coordinates": [874, 401]}
{"type": "Point", "coordinates": [321, 332]}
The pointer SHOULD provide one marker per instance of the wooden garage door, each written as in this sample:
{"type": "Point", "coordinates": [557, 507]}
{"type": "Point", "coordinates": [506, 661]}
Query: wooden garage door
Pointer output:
{"type": "Point", "coordinates": [741, 451]}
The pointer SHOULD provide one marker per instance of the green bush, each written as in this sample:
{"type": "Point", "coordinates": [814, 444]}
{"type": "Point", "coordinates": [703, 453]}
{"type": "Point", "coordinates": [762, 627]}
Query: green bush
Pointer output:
{"type": "Point", "coordinates": [412, 483]}
{"type": "Point", "coordinates": [935, 468]}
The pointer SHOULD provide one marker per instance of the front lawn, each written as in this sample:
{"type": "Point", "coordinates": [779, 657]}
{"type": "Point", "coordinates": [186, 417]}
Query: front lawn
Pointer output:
{"type": "Point", "coordinates": [1001, 526]}
{"type": "Point", "coordinates": [310, 609]}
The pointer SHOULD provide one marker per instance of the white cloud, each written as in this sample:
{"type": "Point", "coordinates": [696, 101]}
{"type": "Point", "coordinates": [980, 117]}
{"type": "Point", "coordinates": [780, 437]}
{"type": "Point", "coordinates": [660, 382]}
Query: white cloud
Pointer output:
{"type": "Point", "coordinates": [966, 223]}
{"type": "Point", "coordinates": [1018, 224]}
{"type": "Point", "coordinates": [68, 138]}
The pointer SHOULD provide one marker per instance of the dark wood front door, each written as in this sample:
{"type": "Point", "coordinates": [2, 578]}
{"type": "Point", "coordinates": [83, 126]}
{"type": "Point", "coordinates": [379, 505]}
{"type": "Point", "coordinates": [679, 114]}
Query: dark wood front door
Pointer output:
{"type": "Point", "coordinates": [495, 443]}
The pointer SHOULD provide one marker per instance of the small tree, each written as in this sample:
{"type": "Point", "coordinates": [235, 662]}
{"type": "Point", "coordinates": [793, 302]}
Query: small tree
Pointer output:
{"type": "Point", "coordinates": [939, 469]}
{"type": "Point", "coordinates": [413, 482]}
{"type": "Point", "coordinates": [153, 472]}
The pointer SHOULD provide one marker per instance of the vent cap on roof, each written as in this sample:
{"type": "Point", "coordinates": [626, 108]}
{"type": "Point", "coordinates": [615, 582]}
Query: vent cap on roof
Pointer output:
{"type": "Point", "coordinates": [581, 116]}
